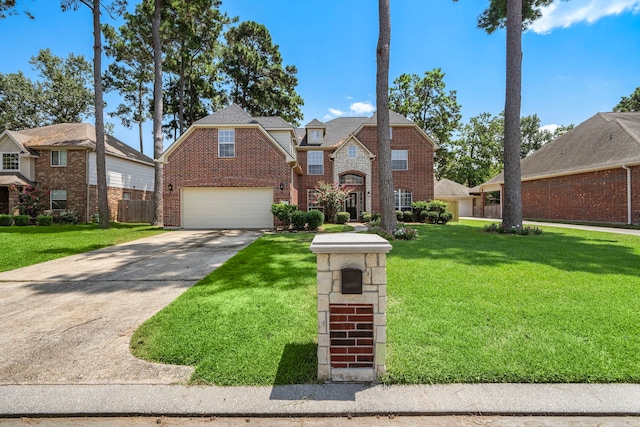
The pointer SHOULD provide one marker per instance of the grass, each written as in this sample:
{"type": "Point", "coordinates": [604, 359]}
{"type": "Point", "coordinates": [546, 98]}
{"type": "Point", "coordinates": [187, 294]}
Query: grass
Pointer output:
{"type": "Point", "coordinates": [463, 306]}
{"type": "Point", "coordinates": [23, 246]}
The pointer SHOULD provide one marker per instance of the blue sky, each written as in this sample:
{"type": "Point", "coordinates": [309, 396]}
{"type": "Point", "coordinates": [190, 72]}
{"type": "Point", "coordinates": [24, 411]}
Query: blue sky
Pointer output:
{"type": "Point", "coordinates": [579, 59]}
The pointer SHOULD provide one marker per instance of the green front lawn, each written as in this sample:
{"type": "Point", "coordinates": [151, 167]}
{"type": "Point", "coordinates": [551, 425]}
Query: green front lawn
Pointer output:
{"type": "Point", "coordinates": [22, 246]}
{"type": "Point", "coordinates": [463, 306]}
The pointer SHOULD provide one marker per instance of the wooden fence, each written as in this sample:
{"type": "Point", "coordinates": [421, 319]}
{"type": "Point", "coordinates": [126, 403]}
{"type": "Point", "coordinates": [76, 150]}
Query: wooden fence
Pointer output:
{"type": "Point", "coordinates": [135, 211]}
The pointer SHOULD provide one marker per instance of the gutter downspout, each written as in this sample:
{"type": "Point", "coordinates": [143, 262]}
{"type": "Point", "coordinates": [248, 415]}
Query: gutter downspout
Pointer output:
{"type": "Point", "coordinates": [628, 169]}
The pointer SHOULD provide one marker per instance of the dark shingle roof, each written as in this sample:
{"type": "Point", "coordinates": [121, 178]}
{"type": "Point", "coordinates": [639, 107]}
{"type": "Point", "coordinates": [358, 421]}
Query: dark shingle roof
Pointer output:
{"type": "Point", "coordinates": [315, 123]}
{"type": "Point", "coordinates": [81, 135]}
{"type": "Point", "coordinates": [604, 140]}
{"type": "Point", "coordinates": [236, 115]}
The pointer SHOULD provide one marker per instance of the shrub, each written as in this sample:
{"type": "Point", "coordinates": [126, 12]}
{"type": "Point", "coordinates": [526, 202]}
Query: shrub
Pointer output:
{"type": "Point", "coordinates": [399, 215]}
{"type": "Point", "coordinates": [419, 205]}
{"type": "Point", "coordinates": [283, 212]}
{"type": "Point", "coordinates": [446, 217]}
{"type": "Point", "coordinates": [6, 220]}
{"type": "Point", "coordinates": [375, 217]}
{"type": "Point", "coordinates": [21, 220]}
{"type": "Point", "coordinates": [424, 216]}
{"type": "Point", "coordinates": [331, 197]}
{"type": "Point", "coordinates": [343, 217]}
{"type": "Point", "coordinates": [407, 216]}
{"type": "Point", "coordinates": [299, 219]}
{"type": "Point", "coordinates": [380, 232]}
{"type": "Point", "coordinates": [374, 222]}
{"type": "Point", "coordinates": [405, 233]}
{"type": "Point", "coordinates": [432, 217]}
{"type": "Point", "coordinates": [524, 231]}
{"type": "Point", "coordinates": [365, 216]}
{"type": "Point", "coordinates": [315, 219]}
{"type": "Point", "coordinates": [31, 200]}
{"type": "Point", "coordinates": [68, 217]}
{"type": "Point", "coordinates": [45, 220]}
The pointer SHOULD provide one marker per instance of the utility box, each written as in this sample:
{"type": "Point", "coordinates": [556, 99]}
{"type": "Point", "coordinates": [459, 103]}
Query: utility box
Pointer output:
{"type": "Point", "coordinates": [352, 302]}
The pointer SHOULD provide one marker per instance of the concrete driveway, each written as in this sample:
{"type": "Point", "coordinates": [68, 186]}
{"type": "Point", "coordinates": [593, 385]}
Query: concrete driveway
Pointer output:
{"type": "Point", "coordinates": [69, 321]}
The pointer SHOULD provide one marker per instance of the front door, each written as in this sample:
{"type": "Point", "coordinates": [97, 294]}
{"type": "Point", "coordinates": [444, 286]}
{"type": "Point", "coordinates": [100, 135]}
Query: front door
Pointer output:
{"type": "Point", "coordinates": [4, 200]}
{"type": "Point", "coordinates": [351, 205]}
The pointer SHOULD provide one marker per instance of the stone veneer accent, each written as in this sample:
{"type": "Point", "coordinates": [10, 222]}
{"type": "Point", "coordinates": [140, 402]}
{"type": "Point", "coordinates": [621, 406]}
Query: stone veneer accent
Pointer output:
{"type": "Point", "coordinates": [351, 328]}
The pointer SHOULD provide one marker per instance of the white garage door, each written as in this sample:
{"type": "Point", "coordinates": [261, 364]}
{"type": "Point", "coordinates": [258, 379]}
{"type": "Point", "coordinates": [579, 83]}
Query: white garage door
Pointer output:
{"type": "Point", "coordinates": [227, 207]}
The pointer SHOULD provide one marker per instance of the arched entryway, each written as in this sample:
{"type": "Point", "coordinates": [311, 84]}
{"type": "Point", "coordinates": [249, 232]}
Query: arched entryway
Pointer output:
{"type": "Point", "coordinates": [356, 201]}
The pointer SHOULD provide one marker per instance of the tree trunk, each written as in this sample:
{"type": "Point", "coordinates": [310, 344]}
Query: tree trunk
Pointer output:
{"type": "Point", "coordinates": [103, 201]}
{"type": "Point", "coordinates": [158, 214]}
{"type": "Point", "coordinates": [388, 220]}
{"type": "Point", "coordinates": [512, 209]}
{"type": "Point", "coordinates": [141, 114]}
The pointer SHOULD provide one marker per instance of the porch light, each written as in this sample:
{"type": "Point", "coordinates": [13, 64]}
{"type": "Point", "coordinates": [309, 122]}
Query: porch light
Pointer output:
{"type": "Point", "coordinates": [170, 188]}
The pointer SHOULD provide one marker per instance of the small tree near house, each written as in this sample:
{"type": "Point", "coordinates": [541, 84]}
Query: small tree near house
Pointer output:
{"type": "Point", "coordinates": [31, 200]}
{"type": "Point", "coordinates": [331, 197]}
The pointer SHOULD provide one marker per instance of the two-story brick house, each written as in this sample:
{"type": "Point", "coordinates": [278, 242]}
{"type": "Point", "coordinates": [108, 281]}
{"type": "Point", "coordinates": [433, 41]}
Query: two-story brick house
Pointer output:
{"type": "Point", "coordinates": [61, 159]}
{"type": "Point", "coordinates": [229, 167]}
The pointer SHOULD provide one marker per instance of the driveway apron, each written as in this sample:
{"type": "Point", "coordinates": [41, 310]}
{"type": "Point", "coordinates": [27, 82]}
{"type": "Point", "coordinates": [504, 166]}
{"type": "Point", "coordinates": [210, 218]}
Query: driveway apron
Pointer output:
{"type": "Point", "coordinates": [69, 321]}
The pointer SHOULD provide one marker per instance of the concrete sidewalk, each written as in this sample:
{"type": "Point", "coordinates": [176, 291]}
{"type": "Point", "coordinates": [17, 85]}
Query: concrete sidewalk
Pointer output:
{"type": "Point", "coordinates": [320, 400]}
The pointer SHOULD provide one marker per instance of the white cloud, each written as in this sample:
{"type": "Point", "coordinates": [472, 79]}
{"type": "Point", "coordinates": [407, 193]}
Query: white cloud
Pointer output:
{"type": "Point", "coordinates": [551, 128]}
{"type": "Point", "coordinates": [336, 112]}
{"type": "Point", "coordinates": [362, 108]}
{"type": "Point", "coordinates": [562, 14]}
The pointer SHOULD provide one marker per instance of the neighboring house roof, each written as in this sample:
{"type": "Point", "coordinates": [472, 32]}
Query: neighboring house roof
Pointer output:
{"type": "Point", "coordinates": [13, 178]}
{"type": "Point", "coordinates": [77, 135]}
{"type": "Point", "coordinates": [448, 188]}
{"type": "Point", "coordinates": [604, 141]}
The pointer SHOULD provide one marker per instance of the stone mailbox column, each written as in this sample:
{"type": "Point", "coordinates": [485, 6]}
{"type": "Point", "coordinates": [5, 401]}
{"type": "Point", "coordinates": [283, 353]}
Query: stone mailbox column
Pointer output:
{"type": "Point", "coordinates": [352, 303]}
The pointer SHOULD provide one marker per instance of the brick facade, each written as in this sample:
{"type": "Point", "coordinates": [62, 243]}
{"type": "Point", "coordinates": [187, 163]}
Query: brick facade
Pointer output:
{"type": "Point", "coordinates": [195, 163]}
{"type": "Point", "coordinates": [599, 196]}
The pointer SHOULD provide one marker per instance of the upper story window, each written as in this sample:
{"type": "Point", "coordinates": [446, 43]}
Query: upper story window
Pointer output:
{"type": "Point", "coordinates": [58, 158]}
{"type": "Point", "coordinates": [226, 143]}
{"type": "Point", "coordinates": [315, 163]}
{"type": "Point", "coordinates": [315, 136]}
{"type": "Point", "coordinates": [10, 161]}
{"type": "Point", "coordinates": [351, 179]}
{"type": "Point", "coordinates": [351, 151]}
{"type": "Point", "coordinates": [400, 160]}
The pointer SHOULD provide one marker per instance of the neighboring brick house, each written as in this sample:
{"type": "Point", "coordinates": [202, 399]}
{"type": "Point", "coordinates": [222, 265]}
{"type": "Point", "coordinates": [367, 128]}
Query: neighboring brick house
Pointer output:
{"type": "Point", "coordinates": [61, 159]}
{"type": "Point", "coordinates": [228, 168]}
{"type": "Point", "coordinates": [591, 173]}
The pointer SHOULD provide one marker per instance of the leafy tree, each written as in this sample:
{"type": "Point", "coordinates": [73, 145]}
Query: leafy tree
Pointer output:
{"type": "Point", "coordinates": [629, 103]}
{"type": "Point", "coordinates": [8, 7]}
{"type": "Point", "coordinates": [19, 103]}
{"type": "Point", "coordinates": [425, 101]}
{"type": "Point", "coordinates": [331, 197]}
{"type": "Point", "coordinates": [117, 6]}
{"type": "Point", "coordinates": [131, 74]}
{"type": "Point", "coordinates": [477, 154]}
{"type": "Point", "coordinates": [532, 136]}
{"type": "Point", "coordinates": [65, 91]}
{"type": "Point", "coordinates": [388, 219]}
{"type": "Point", "coordinates": [255, 76]}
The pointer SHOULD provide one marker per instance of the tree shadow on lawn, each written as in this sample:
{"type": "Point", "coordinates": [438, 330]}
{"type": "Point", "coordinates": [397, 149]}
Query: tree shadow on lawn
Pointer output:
{"type": "Point", "coordinates": [564, 250]}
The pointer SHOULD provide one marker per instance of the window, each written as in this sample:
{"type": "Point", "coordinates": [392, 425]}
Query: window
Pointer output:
{"type": "Point", "coordinates": [312, 204]}
{"type": "Point", "coordinates": [58, 199]}
{"type": "Point", "coordinates": [400, 160]}
{"type": "Point", "coordinates": [351, 151]}
{"type": "Point", "coordinates": [227, 143]}
{"type": "Point", "coordinates": [58, 158]}
{"type": "Point", "coordinates": [126, 196]}
{"type": "Point", "coordinates": [390, 132]}
{"type": "Point", "coordinates": [351, 179]}
{"type": "Point", "coordinates": [315, 163]}
{"type": "Point", "coordinates": [403, 200]}
{"type": "Point", "coordinates": [10, 161]}
{"type": "Point", "coordinates": [315, 136]}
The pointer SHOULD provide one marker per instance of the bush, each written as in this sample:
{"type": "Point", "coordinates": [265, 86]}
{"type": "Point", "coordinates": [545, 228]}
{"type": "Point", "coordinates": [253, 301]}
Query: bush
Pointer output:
{"type": "Point", "coordinates": [343, 217]}
{"type": "Point", "coordinates": [407, 216]}
{"type": "Point", "coordinates": [299, 220]}
{"type": "Point", "coordinates": [375, 217]}
{"type": "Point", "coordinates": [424, 216]}
{"type": "Point", "coordinates": [399, 215]}
{"type": "Point", "coordinates": [315, 219]}
{"type": "Point", "coordinates": [524, 231]}
{"type": "Point", "coordinates": [6, 220]}
{"type": "Point", "coordinates": [445, 217]}
{"type": "Point", "coordinates": [432, 217]}
{"type": "Point", "coordinates": [283, 212]}
{"type": "Point", "coordinates": [365, 216]}
{"type": "Point", "coordinates": [405, 233]}
{"type": "Point", "coordinates": [45, 220]}
{"type": "Point", "coordinates": [21, 220]}
{"type": "Point", "coordinates": [68, 217]}
{"type": "Point", "coordinates": [380, 232]}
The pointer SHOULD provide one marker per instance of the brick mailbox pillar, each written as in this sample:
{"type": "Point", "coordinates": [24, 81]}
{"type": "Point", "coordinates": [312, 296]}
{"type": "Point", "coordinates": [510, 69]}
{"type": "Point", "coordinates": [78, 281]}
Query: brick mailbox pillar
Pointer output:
{"type": "Point", "coordinates": [352, 302]}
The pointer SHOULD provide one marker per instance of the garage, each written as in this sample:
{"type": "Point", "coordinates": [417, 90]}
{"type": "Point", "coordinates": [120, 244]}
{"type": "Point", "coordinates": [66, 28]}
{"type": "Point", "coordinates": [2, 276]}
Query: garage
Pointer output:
{"type": "Point", "coordinates": [227, 208]}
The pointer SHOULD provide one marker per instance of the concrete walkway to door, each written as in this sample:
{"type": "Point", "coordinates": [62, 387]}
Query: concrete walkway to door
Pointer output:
{"type": "Point", "coordinates": [69, 321]}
